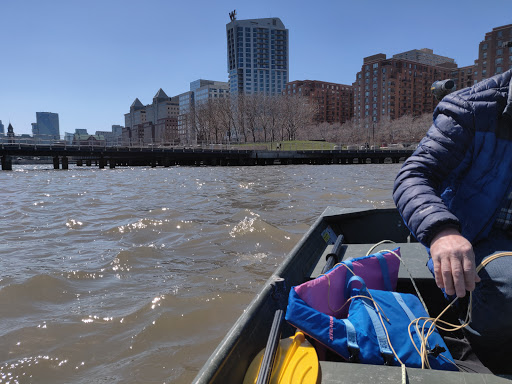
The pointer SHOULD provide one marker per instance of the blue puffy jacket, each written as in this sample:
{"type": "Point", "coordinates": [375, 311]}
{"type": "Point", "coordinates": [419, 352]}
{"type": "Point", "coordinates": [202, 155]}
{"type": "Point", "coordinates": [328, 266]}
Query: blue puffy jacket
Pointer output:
{"type": "Point", "coordinates": [461, 172]}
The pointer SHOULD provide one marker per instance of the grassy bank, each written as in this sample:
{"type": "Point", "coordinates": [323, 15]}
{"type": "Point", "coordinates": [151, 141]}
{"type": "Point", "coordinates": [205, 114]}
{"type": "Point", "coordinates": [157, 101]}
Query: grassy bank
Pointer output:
{"type": "Point", "coordinates": [296, 145]}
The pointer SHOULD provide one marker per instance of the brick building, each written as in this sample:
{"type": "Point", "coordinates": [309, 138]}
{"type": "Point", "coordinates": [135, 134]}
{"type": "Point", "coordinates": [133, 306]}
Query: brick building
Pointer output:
{"type": "Point", "coordinates": [334, 101]}
{"type": "Point", "coordinates": [493, 55]}
{"type": "Point", "coordinates": [392, 87]}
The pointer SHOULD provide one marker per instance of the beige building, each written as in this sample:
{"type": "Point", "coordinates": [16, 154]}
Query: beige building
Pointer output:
{"type": "Point", "coordinates": [156, 123]}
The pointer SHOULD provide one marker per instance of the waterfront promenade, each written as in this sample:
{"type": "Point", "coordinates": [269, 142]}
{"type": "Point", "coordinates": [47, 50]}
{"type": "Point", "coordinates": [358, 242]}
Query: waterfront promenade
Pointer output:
{"type": "Point", "coordinates": [153, 156]}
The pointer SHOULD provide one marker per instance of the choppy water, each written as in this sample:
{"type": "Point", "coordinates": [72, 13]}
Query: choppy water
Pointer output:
{"type": "Point", "coordinates": [134, 275]}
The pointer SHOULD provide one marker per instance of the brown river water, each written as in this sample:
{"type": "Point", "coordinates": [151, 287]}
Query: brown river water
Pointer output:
{"type": "Point", "coordinates": [134, 275]}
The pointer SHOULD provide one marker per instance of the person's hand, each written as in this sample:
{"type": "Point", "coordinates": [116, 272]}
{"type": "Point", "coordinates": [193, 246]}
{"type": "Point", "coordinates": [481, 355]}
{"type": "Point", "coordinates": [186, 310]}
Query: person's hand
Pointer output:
{"type": "Point", "coordinates": [454, 262]}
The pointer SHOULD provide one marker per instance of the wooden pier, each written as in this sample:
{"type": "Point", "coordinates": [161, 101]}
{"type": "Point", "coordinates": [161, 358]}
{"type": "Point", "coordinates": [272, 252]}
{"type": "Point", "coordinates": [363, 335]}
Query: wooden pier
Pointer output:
{"type": "Point", "coordinates": [112, 157]}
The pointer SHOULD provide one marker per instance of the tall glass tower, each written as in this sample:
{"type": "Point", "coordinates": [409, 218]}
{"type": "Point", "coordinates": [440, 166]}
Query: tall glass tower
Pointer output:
{"type": "Point", "coordinates": [257, 56]}
{"type": "Point", "coordinates": [47, 126]}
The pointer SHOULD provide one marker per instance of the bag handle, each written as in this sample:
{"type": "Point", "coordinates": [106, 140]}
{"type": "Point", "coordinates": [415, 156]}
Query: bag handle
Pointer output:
{"type": "Point", "coordinates": [349, 283]}
{"type": "Point", "coordinates": [383, 263]}
{"type": "Point", "coordinates": [385, 271]}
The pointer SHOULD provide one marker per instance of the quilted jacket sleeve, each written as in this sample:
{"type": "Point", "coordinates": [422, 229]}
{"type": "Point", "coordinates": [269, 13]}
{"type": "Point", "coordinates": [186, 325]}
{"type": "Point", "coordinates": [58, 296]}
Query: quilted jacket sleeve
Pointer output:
{"type": "Point", "coordinates": [425, 175]}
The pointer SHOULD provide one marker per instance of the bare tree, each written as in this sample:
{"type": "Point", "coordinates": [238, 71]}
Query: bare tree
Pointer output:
{"type": "Point", "coordinates": [251, 113]}
{"type": "Point", "coordinates": [262, 118]}
{"type": "Point", "coordinates": [276, 117]}
{"type": "Point", "coordinates": [240, 115]}
{"type": "Point", "coordinates": [299, 115]}
{"type": "Point", "coordinates": [225, 117]}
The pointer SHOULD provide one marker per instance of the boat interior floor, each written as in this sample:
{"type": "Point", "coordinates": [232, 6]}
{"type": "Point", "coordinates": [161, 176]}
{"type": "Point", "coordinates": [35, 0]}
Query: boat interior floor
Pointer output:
{"type": "Point", "coordinates": [414, 256]}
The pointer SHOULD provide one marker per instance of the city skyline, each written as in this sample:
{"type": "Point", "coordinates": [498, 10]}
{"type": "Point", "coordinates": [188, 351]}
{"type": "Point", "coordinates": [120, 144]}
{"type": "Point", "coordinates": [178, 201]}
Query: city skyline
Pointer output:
{"type": "Point", "coordinates": [88, 62]}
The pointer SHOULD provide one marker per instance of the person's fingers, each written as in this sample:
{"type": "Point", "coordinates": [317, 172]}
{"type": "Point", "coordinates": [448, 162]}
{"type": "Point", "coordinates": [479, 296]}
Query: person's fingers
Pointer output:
{"type": "Point", "coordinates": [437, 272]}
{"type": "Point", "coordinates": [470, 276]}
{"type": "Point", "coordinates": [458, 277]}
{"type": "Point", "coordinates": [446, 273]}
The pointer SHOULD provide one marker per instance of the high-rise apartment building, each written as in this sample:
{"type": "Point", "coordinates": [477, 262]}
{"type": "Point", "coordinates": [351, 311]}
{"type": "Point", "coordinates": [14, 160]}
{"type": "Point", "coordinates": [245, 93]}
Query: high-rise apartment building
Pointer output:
{"type": "Point", "coordinates": [205, 90]}
{"type": "Point", "coordinates": [258, 57]}
{"type": "Point", "coordinates": [200, 92]}
{"type": "Point", "coordinates": [46, 127]}
{"type": "Point", "coordinates": [391, 88]}
{"type": "Point", "coordinates": [333, 101]}
{"type": "Point", "coordinates": [494, 56]}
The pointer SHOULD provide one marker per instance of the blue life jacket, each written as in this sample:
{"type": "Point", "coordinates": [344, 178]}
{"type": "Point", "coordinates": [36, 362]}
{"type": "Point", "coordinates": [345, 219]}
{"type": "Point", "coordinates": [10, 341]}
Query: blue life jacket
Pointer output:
{"type": "Point", "coordinates": [365, 337]}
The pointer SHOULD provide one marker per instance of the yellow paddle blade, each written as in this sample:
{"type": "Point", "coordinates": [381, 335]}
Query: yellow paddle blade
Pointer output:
{"type": "Point", "coordinates": [296, 362]}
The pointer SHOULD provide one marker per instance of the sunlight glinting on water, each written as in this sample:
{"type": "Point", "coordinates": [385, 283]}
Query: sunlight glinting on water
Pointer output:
{"type": "Point", "coordinates": [128, 272]}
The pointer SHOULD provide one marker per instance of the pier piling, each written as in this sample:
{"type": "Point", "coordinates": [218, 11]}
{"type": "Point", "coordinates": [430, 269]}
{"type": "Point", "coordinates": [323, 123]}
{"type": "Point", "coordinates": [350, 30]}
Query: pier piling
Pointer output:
{"type": "Point", "coordinates": [6, 163]}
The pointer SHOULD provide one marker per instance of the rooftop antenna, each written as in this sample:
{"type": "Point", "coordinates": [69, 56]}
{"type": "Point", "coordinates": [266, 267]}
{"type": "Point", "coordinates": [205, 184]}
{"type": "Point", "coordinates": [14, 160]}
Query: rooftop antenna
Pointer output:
{"type": "Point", "coordinates": [232, 15]}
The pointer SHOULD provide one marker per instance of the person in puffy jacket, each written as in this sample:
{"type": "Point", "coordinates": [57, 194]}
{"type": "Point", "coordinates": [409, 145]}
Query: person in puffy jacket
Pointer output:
{"type": "Point", "coordinates": [455, 195]}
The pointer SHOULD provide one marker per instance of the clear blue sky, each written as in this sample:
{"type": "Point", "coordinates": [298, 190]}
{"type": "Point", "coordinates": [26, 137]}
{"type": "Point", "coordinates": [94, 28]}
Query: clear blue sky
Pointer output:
{"type": "Point", "coordinates": [89, 60]}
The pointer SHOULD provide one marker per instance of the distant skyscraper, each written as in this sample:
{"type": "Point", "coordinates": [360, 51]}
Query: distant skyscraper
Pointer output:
{"type": "Point", "coordinates": [1, 128]}
{"type": "Point", "coordinates": [257, 56]}
{"type": "Point", "coordinates": [47, 126]}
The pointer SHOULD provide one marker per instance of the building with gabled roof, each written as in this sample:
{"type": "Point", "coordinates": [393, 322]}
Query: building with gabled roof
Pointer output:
{"type": "Point", "coordinates": [155, 123]}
